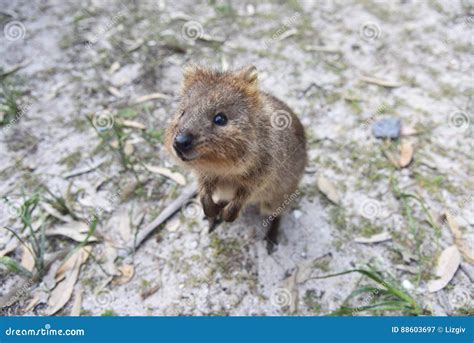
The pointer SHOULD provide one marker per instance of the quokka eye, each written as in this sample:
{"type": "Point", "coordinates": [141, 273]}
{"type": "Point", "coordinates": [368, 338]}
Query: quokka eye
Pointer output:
{"type": "Point", "coordinates": [220, 119]}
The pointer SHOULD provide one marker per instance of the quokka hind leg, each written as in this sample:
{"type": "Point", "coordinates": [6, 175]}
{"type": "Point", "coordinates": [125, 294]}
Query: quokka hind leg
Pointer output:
{"type": "Point", "coordinates": [215, 221]}
{"type": "Point", "coordinates": [271, 237]}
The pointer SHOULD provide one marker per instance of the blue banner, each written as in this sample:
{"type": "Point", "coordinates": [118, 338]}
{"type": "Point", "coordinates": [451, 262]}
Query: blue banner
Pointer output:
{"type": "Point", "coordinates": [237, 329]}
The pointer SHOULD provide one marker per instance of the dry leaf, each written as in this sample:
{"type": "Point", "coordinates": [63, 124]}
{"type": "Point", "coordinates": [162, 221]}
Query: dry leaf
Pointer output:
{"type": "Point", "coordinates": [133, 124]}
{"type": "Point", "coordinates": [76, 306]}
{"type": "Point", "coordinates": [408, 131]}
{"type": "Point", "coordinates": [173, 225]}
{"type": "Point", "coordinates": [69, 273]}
{"type": "Point", "coordinates": [114, 67]}
{"type": "Point", "coordinates": [27, 259]}
{"type": "Point", "coordinates": [409, 269]}
{"type": "Point", "coordinates": [466, 251]}
{"type": "Point", "coordinates": [208, 38]}
{"type": "Point", "coordinates": [80, 255]}
{"type": "Point", "coordinates": [306, 268]}
{"type": "Point", "coordinates": [406, 154]}
{"type": "Point", "coordinates": [115, 92]}
{"type": "Point", "coordinates": [125, 230]}
{"type": "Point", "coordinates": [287, 34]}
{"type": "Point", "coordinates": [380, 237]}
{"type": "Point", "coordinates": [128, 149]}
{"type": "Point", "coordinates": [127, 271]}
{"type": "Point", "coordinates": [289, 284]}
{"type": "Point", "coordinates": [74, 230]}
{"type": "Point", "coordinates": [329, 190]}
{"type": "Point", "coordinates": [175, 176]}
{"type": "Point", "coordinates": [380, 82]}
{"type": "Point", "coordinates": [11, 246]}
{"type": "Point", "coordinates": [150, 291]}
{"type": "Point", "coordinates": [33, 302]}
{"type": "Point", "coordinates": [63, 291]}
{"type": "Point", "coordinates": [152, 96]}
{"type": "Point", "coordinates": [55, 213]}
{"type": "Point", "coordinates": [448, 264]}
{"type": "Point", "coordinates": [110, 253]}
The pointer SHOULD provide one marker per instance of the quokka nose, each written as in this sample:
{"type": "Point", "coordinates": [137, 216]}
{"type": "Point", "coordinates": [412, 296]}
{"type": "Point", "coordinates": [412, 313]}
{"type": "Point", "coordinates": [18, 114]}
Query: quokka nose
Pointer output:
{"type": "Point", "coordinates": [183, 142]}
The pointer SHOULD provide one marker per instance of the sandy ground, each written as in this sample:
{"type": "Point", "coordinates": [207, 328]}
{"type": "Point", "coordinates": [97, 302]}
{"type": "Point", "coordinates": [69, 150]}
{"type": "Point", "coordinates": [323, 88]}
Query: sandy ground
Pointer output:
{"type": "Point", "coordinates": [86, 67]}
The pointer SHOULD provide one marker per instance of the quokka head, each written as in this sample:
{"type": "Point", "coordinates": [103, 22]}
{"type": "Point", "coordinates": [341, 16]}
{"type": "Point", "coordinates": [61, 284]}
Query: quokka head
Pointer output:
{"type": "Point", "coordinates": [215, 124]}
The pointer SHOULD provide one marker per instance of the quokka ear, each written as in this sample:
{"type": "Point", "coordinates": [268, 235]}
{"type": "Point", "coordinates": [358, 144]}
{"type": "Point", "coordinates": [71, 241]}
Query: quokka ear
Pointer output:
{"type": "Point", "coordinates": [249, 74]}
{"type": "Point", "coordinates": [191, 73]}
{"type": "Point", "coordinates": [189, 70]}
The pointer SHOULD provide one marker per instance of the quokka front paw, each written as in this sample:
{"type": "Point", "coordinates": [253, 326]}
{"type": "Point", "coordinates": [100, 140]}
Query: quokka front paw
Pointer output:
{"type": "Point", "coordinates": [210, 208]}
{"type": "Point", "coordinates": [231, 212]}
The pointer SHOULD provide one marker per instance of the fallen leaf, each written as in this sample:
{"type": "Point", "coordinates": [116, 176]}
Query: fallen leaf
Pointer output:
{"type": "Point", "coordinates": [290, 285]}
{"type": "Point", "coordinates": [127, 271]}
{"type": "Point", "coordinates": [125, 228]}
{"type": "Point", "coordinates": [55, 213]}
{"type": "Point", "coordinates": [409, 269]}
{"type": "Point", "coordinates": [329, 190]}
{"type": "Point", "coordinates": [408, 131]}
{"type": "Point", "coordinates": [27, 259]}
{"type": "Point", "coordinates": [76, 306]}
{"type": "Point", "coordinates": [110, 253]}
{"type": "Point", "coordinates": [149, 97]}
{"type": "Point", "coordinates": [380, 82]}
{"type": "Point", "coordinates": [114, 67]}
{"type": "Point", "coordinates": [10, 246]}
{"type": "Point", "coordinates": [75, 230]}
{"type": "Point", "coordinates": [173, 225]}
{"type": "Point", "coordinates": [380, 237]}
{"type": "Point", "coordinates": [80, 255]}
{"type": "Point", "coordinates": [175, 176]}
{"type": "Point", "coordinates": [128, 148]}
{"type": "Point", "coordinates": [133, 124]}
{"type": "Point", "coordinates": [466, 251]}
{"type": "Point", "coordinates": [287, 34]}
{"type": "Point", "coordinates": [68, 273]}
{"type": "Point", "coordinates": [208, 38]}
{"type": "Point", "coordinates": [115, 92]}
{"type": "Point", "coordinates": [392, 158]}
{"type": "Point", "coordinates": [306, 268]}
{"type": "Point", "coordinates": [448, 264]}
{"type": "Point", "coordinates": [150, 291]}
{"type": "Point", "coordinates": [32, 303]}
{"type": "Point", "coordinates": [406, 154]}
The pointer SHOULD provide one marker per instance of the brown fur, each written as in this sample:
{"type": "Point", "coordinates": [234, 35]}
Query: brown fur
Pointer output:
{"type": "Point", "coordinates": [248, 157]}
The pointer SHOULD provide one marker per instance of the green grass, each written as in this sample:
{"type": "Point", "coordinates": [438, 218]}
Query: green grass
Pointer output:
{"type": "Point", "coordinates": [35, 241]}
{"type": "Point", "coordinates": [384, 296]}
{"type": "Point", "coordinates": [9, 102]}
{"type": "Point", "coordinates": [109, 313]}
{"type": "Point", "coordinates": [311, 301]}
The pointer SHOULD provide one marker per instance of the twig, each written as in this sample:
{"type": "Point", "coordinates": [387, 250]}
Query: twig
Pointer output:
{"type": "Point", "coordinates": [188, 192]}
{"type": "Point", "coordinates": [85, 170]}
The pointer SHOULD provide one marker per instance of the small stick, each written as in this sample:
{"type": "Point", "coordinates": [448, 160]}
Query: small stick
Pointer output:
{"type": "Point", "coordinates": [187, 193]}
{"type": "Point", "coordinates": [85, 170]}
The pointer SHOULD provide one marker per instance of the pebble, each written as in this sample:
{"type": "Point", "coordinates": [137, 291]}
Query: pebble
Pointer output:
{"type": "Point", "coordinates": [387, 128]}
{"type": "Point", "coordinates": [297, 214]}
{"type": "Point", "coordinates": [407, 285]}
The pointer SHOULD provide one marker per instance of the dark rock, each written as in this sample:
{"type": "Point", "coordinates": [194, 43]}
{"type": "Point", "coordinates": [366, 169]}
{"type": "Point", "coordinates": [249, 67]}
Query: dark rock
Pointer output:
{"type": "Point", "coordinates": [387, 128]}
